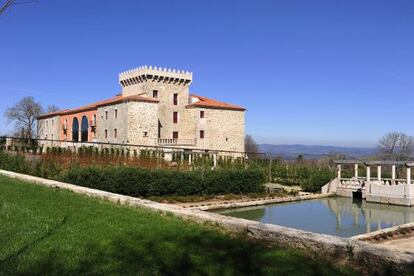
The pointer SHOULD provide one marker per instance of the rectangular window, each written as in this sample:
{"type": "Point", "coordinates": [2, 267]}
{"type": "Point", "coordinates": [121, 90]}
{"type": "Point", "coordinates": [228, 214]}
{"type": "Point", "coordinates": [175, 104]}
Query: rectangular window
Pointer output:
{"type": "Point", "coordinates": [106, 115]}
{"type": "Point", "coordinates": [52, 134]}
{"type": "Point", "coordinates": [175, 134]}
{"type": "Point", "coordinates": [201, 134]}
{"type": "Point", "coordinates": [175, 99]}
{"type": "Point", "coordinates": [155, 93]}
{"type": "Point", "coordinates": [175, 117]}
{"type": "Point", "coordinates": [106, 133]}
{"type": "Point", "coordinates": [116, 113]}
{"type": "Point", "coordinates": [202, 114]}
{"type": "Point", "coordinates": [115, 133]}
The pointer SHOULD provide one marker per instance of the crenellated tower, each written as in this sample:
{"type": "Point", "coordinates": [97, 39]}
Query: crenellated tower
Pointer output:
{"type": "Point", "coordinates": [139, 80]}
{"type": "Point", "coordinates": [171, 88]}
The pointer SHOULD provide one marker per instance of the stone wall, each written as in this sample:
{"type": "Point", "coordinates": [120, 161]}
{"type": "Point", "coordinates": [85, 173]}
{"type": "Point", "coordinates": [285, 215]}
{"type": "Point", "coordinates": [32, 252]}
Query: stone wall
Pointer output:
{"type": "Point", "coordinates": [49, 128]}
{"type": "Point", "coordinates": [142, 122]}
{"type": "Point", "coordinates": [223, 129]}
{"type": "Point", "coordinates": [166, 108]}
{"type": "Point", "coordinates": [111, 123]}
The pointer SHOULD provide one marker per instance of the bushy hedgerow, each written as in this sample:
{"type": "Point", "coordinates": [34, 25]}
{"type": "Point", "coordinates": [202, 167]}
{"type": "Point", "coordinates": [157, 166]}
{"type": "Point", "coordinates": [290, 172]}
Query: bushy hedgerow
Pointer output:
{"type": "Point", "coordinates": [15, 163]}
{"type": "Point", "coordinates": [147, 182]}
{"type": "Point", "coordinates": [316, 180]}
{"type": "Point", "coordinates": [142, 182]}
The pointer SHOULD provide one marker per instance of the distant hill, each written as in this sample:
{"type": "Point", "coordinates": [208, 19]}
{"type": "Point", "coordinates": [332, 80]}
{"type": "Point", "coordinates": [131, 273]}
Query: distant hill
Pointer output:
{"type": "Point", "coordinates": [314, 151]}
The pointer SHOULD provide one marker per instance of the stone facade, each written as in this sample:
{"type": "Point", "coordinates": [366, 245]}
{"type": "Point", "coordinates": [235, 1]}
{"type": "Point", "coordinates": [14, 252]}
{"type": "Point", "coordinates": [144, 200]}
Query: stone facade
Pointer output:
{"type": "Point", "coordinates": [154, 108]}
{"type": "Point", "coordinates": [49, 128]}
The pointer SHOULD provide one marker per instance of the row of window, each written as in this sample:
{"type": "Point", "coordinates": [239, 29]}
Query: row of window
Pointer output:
{"type": "Point", "coordinates": [175, 96]}
{"type": "Point", "coordinates": [115, 114]}
{"type": "Point", "coordinates": [175, 116]}
{"type": "Point", "coordinates": [115, 133]}
{"type": "Point", "coordinates": [175, 134]}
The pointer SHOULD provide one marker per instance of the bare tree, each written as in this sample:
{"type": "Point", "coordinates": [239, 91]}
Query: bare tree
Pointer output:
{"type": "Point", "coordinates": [250, 146]}
{"type": "Point", "coordinates": [23, 114]}
{"type": "Point", "coordinates": [9, 3]}
{"type": "Point", "coordinates": [51, 108]}
{"type": "Point", "coordinates": [396, 146]}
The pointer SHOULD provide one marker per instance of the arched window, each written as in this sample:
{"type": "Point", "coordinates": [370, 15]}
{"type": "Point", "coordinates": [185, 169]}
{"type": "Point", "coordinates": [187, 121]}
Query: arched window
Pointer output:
{"type": "Point", "coordinates": [84, 129]}
{"type": "Point", "coordinates": [75, 130]}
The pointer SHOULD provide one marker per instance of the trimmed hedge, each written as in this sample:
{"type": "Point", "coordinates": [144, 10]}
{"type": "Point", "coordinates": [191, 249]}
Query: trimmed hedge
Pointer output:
{"type": "Point", "coordinates": [316, 180]}
{"type": "Point", "coordinates": [146, 182]}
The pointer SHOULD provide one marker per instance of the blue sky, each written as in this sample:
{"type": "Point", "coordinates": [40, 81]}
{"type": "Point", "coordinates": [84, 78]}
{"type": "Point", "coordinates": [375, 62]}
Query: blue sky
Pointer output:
{"type": "Point", "coordinates": [311, 72]}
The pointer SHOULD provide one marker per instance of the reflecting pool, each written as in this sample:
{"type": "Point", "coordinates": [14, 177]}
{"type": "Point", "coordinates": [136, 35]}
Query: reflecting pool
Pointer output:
{"type": "Point", "coordinates": [338, 216]}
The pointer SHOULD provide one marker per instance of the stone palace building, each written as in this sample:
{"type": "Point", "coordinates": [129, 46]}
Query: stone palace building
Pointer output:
{"type": "Point", "coordinates": [154, 108]}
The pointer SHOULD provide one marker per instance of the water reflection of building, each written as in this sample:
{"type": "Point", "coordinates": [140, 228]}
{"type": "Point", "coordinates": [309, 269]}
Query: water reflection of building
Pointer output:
{"type": "Point", "coordinates": [373, 214]}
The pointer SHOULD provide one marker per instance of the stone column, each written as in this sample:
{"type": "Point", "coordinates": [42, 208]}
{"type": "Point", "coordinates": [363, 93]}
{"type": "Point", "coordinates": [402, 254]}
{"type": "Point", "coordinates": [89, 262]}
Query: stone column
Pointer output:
{"type": "Point", "coordinates": [339, 171]}
{"type": "Point", "coordinates": [368, 173]}
{"type": "Point", "coordinates": [356, 170]}
{"type": "Point", "coordinates": [189, 159]}
{"type": "Point", "coordinates": [393, 172]}
{"type": "Point", "coordinates": [379, 173]}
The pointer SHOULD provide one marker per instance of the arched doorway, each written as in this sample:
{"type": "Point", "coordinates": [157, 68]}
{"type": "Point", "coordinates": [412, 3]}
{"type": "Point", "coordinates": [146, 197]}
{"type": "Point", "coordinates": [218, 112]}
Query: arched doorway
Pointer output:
{"type": "Point", "coordinates": [75, 130]}
{"type": "Point", "coordinates": [84, 129]}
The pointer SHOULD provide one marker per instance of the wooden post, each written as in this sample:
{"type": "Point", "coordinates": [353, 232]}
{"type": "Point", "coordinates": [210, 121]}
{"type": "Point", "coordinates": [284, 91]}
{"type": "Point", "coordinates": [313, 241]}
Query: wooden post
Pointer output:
{"type": "Point", "coordinates": [270, 169]}
{"type": "Point", "coordinates": [215, 160]}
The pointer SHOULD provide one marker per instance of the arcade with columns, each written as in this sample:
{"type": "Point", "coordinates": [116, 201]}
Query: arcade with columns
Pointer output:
{"type": "Point", "coordinates": [396, 189]}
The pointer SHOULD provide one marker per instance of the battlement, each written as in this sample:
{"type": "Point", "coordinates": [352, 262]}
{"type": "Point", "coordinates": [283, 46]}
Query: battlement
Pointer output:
{"type": "Point", "coordinates": [154, 74]}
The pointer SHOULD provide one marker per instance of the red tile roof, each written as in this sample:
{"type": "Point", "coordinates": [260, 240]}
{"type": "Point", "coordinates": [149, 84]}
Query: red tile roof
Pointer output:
{"type": "Point", "coordinates": [210, 103]}
{"type": "Point", "coordinates": [114, 100]}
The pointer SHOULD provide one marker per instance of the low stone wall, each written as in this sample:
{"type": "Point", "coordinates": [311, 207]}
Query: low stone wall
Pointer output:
{"type": "Point", "coordinates": [368, 257]}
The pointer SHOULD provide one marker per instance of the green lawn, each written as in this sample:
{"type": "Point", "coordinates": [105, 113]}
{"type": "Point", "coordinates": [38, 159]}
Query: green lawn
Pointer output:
{"type": "Point", "coordinates": [44, 230]}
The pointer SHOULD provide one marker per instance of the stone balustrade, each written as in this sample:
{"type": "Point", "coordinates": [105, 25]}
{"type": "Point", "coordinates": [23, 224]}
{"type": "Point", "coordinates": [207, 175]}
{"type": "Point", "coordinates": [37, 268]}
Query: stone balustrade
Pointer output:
{"type": "Point", "coordinates": [392, 190]}
{"type": "Point", "coordinates": [175, 142]}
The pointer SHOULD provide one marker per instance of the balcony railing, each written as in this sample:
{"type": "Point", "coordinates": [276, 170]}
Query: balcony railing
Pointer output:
{"type": "Point", "coordinates": [180, 142]}
{"type": "Point", "coordinates": [92, 123]}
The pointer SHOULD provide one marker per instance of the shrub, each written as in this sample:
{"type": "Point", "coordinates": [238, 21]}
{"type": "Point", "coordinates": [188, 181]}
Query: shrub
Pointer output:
{"type": "Point", "coordinates": [15, 163]}
{"type": "Point", "coordinates": [146, 182]}
{"type": "Point", "coordinates": [316, 180]}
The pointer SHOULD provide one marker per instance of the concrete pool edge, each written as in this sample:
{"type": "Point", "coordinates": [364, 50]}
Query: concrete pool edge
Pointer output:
{"type": "Point", "coordinates": [362, 254]}
{"type": "Point", "coordinates": [251, 203]}
{"type": "Point", "coordinates": [386, 233]}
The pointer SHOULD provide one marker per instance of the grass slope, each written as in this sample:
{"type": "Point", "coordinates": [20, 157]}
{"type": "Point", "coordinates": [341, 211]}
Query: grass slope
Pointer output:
{"type": "Point", "coordinates": [52, 231]}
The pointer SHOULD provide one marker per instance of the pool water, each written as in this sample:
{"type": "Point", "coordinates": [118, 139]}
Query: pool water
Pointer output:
{"type": "Point", "coordinates": [338, 216]}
